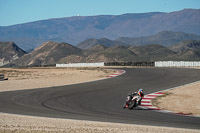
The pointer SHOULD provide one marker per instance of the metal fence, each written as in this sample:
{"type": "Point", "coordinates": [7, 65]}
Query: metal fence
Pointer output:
{"type": "Point", "coordinates": [177, 64]}
{"type": "Point", "coordinates": [145, 64]}
{"type": "Point", "coordinates": [107, 64]}
{"type": "Point", "coordinates": [130, 64]}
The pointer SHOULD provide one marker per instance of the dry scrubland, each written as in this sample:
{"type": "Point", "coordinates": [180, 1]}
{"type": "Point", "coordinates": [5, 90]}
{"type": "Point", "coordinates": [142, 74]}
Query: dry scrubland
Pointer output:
{"type": "Point", "coordinates": [46, 77]}
{"type": "Point", "coordinates": [184, 99]}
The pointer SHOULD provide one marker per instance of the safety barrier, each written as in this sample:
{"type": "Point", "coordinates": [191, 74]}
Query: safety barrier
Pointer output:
{"type": "Point", "coordinates": [1, 77]}
{"type": "Point", "coordinates": [148, 64]}
{"type": "Point", "coordinates": [81, 65]}
{"type": "Point", "coordinates": [177, 64]}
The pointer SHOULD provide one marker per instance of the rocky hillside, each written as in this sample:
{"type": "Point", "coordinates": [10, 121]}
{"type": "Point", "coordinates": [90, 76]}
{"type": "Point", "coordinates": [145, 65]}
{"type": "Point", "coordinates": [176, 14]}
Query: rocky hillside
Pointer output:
{"type": "Point", "coordinates": [48, 53]}
{"type": "Point", "coordinates": [78, 28]}
{"type": "Point", "coordinates": [186, 50]}
{"type": "Point", "coordinates": [186, 45]}
{"type": "Point", "coordinates": [9, 52]}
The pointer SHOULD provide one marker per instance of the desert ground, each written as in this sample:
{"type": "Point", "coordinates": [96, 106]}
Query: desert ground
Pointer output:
{"type": "Point", "coordinates": [184, 99]}
{"type": "Point", "coordinates": [27, 124]}
{"type": "Point", "coordinates": [45, 77]}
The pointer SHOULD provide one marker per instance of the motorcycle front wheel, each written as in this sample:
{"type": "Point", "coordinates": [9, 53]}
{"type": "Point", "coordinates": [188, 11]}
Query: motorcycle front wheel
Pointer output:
{"type": "Point", "coordinates": [131, 104]}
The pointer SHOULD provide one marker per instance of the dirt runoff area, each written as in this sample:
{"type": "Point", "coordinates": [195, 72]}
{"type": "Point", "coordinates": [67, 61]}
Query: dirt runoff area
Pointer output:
{"type": "Point", "coordinates": [27, 124]}
{"type": "Point", "coordinates": [184, 99]}
{"type": "Point", "coordinates": [45, 77]}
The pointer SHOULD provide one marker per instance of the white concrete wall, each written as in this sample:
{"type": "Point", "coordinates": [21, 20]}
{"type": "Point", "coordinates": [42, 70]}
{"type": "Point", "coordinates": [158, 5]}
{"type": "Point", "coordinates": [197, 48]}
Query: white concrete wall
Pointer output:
{"type": "Point", "coordinates": [81, 65]}
{"type": "Point", "coordinates": [177, 64]}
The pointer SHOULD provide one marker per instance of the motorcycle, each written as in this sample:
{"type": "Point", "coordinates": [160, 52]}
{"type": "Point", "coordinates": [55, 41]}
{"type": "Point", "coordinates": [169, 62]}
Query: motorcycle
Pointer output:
{"type": "Point", "coordinates": [132, 102]}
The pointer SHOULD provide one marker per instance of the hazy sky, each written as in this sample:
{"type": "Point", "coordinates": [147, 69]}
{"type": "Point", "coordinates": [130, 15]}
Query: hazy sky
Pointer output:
{"type": "Point", "coordinates": [21, 11]}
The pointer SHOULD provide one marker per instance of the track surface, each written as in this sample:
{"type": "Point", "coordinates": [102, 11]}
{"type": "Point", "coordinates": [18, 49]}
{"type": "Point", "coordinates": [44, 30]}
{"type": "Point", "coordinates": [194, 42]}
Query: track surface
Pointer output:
{"type": "Point", "coordinates": [102, 100]}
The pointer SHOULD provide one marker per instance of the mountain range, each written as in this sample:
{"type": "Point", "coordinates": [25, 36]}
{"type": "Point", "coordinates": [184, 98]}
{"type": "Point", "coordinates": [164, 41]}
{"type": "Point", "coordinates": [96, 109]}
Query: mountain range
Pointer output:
{"type": "Point", "coordinates": [79, 28]}
{"type": "Point", "coordinates": [165, 38]}
{"type": "Point", "coordinates": [50, 53]}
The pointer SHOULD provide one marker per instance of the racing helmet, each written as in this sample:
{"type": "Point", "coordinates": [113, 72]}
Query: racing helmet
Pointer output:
{"type": "Point", "coordinates": [140, 92]}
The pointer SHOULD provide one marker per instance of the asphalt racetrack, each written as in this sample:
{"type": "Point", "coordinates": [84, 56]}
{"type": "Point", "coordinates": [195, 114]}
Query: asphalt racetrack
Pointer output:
{"type": "Point", "coordinates": [102, 100]}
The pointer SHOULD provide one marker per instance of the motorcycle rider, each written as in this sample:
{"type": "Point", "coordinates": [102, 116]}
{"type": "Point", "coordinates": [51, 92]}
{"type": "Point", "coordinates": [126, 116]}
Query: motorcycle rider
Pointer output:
{"type": "Point", "coordinates": [141, 95]}
{"type": "Point", "coordinates": [138, 93]}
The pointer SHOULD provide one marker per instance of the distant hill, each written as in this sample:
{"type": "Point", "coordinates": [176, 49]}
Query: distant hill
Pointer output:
{"type": "Point", "coordinates": [152, 52]}
{"type": "Point", "coordinates": [186, 50]}
{"type": "Point", "coordinates": [189, 55]}
{"type": "Point", "coordinates": [9, 52]}
{"type": "Point", "coordinates": [186, 45]}
{"type": "Point", "coordinates": [79, 28]}
{"type": "Point", "coordinates": [114, 53]}
{"type": "Point", "coordinates": [164, 38]}
{"type": "Point", "coordinates": [50, 53]}
{"type": "Point", "coordinates": [97, 47]}
{"type": "Point", "coordinates": [89, 43]}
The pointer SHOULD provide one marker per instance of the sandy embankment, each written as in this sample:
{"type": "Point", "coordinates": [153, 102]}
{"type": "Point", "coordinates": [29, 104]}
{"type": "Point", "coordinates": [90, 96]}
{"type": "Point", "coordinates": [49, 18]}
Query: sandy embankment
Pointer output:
{"type": "Point", "coordinates": [184, 99]}
{"type": "Point", "coordinates": [38, 78]}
